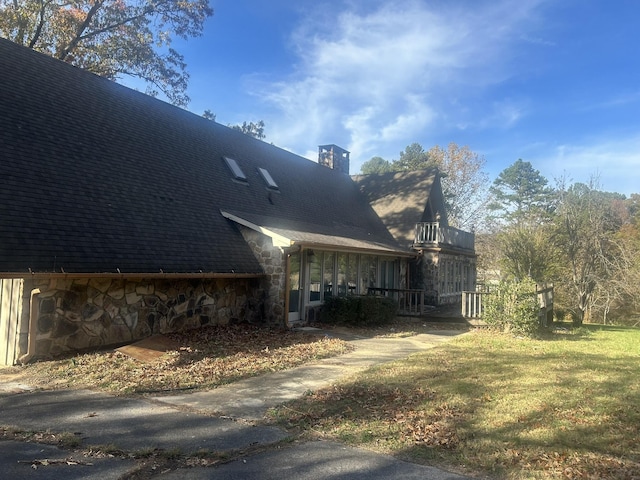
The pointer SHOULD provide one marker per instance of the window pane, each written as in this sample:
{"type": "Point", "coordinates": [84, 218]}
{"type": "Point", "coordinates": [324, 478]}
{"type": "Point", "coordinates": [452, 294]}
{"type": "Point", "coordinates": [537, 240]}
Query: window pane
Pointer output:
{"type": "Point", "coordinates": [373, 271]}
{"type": "Point", "coordinates": [294, 282]}
{"type": "Point", "coordinates": [352, 274]}
{"type": "Point", "coordinates": [342, 274]}
{"type": "Point", "coordinates": [368, 273]}
{"type": "Point", "coordinates": [329, 259]}
{"type": "Point", "coordinates": [315, 276]}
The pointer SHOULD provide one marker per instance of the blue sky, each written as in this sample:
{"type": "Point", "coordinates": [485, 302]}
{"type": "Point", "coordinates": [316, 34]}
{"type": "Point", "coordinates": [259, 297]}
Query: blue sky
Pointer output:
{"type": "Point", "coordinates": [554, 82]}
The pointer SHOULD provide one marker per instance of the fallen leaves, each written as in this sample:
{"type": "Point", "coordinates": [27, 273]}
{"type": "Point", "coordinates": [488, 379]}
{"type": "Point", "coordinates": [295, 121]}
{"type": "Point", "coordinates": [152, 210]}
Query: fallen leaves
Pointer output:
{"type": "Point", "coordinates": [204, 358]}
{"type": "Point", "coordinates": [45, 462]}
{"type": "Point", "coordinates": [395, 412]}
{"type": "Point", "coordinates": [588, 465]}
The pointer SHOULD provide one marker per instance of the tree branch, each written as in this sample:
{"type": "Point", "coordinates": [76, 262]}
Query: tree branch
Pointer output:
{"type": "Point", "coordinates": [76, 39]}
{"type": "Point", "coordinates": [41, 22]}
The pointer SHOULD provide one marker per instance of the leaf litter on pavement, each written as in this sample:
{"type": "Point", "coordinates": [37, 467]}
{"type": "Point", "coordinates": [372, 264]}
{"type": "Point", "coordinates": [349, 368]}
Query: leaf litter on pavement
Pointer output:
{"type": "Point", "coordinates": [203, 358]}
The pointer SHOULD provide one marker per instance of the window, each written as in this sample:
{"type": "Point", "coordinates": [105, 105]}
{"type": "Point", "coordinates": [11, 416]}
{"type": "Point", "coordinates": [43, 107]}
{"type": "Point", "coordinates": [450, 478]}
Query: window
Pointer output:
{"type": "Point", "coordinates": [327, 274]}
{"type": "Point", "coordinates": [315, 275]}
{"type": "Point", "coordinates": [388, 274]}
{"type": "Point", "coordinates": [268, 179]}
{"type": "Point", "coordinates": [368, 273]}
{"type": "Point", "coordinates": [352, 275]}
{"type": "Point", "coordinates": [340, 274]}
{"type": "Point", "coordinates": [235, 169]}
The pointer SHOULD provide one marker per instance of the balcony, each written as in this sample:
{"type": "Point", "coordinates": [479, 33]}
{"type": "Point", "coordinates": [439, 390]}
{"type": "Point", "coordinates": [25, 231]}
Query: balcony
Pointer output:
{"type": "Point", "coordinates": [432, 235]}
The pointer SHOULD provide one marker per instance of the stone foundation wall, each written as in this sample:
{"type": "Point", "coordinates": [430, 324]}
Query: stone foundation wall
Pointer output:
{"type": "Point", "coordinates": [78, 314]}
{"type": "Point", "coordinates": [273, 261]}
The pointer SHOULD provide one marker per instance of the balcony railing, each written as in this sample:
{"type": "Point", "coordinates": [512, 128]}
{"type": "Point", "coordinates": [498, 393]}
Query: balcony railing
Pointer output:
{"type": "Point", "coordinates": [431, 234]}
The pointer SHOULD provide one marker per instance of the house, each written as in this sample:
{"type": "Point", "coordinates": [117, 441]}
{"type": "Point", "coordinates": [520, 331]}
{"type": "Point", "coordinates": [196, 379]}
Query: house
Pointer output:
{"type": "Point", "coordinates": [122, 216]}
{"type": "Point", "coordinates": [411, 205]}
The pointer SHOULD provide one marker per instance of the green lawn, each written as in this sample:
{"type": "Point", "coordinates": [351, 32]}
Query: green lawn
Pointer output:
{"type": "Point", "coordinates": [489, 404]}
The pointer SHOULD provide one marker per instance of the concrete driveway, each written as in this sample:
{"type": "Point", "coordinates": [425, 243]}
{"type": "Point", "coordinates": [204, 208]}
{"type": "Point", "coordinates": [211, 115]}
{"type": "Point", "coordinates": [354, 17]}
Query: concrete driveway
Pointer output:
{"type": "Point", "coordinates": [226, 420]}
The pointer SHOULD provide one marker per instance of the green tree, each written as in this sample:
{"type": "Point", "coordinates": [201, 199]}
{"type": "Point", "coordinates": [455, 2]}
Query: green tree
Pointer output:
{"type": "Point", "coordinates": [522, 204]}
{"type": "Point", "coordinates": [413, 157]}
{"type": "Point", "coordinates": [255, 130]}
{"type": "Point", "coordinates": [520, 193]}
{"type": "Point", "coordinates": [111, 38]}
{"type": "Point", "coordinates": [252, 129]}
{"type": "Point", "coordinates": [376, 165]}
{"type": "Point", "coordinates": [623, 289]}
{"type": "Point", "coordinates": [527, 252]}
{"type": "Point", "coordinates": [209, 115]}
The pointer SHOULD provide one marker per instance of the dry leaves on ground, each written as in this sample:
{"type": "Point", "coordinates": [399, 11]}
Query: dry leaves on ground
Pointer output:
{"type": "Point", "coordinates": [205, 358]}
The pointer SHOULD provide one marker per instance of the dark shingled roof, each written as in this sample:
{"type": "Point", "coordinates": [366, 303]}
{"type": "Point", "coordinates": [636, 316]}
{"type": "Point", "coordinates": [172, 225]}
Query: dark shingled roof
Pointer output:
{"type": "Point", "coordinates": [96, 177]}
{"type": "Point", "coordinates": [402, 199]}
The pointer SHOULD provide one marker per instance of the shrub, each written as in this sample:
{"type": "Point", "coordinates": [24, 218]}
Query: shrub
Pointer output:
{"type": "Point", "coordinates": [513, 307]}
{"type": "Point", "coordinates": [360, 311]}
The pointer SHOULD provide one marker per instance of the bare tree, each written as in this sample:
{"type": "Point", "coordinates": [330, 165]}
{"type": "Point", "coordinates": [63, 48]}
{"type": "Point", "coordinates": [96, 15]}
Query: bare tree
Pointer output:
{"type": "Point", "coordinates": [585, 225]}
{"type": "Point", "coordinates": [464, 183]}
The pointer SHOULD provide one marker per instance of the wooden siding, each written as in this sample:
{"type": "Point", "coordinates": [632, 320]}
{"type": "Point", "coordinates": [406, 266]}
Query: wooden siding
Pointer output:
{"type": "Point", "coordinates": [10, 310]}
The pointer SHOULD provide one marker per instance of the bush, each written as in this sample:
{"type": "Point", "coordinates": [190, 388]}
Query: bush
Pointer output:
{"type": "Point", "coordinates": [359, 311]}
{"type": "Point", "coordinates": [513, 307]}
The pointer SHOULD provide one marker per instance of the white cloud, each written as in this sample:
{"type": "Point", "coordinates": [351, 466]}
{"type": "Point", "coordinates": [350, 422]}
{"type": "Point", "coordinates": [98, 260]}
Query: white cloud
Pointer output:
{"type": "Point", "coordinates": [619, 100]}
{"type": "Point", "coordinates": [614, 161]}
{"type": "Point", "coordinates": [387, 75]}
{"type": "Point", "coordinates": [504, 114]}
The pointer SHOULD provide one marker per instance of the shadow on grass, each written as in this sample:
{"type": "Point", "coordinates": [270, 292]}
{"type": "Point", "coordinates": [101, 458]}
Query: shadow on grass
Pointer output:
{"type": "Point", "coordinates": [494, 407]}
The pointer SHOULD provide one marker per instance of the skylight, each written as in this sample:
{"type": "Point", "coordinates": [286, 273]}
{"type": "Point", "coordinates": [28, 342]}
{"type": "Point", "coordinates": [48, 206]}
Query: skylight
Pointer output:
{"type": "Point", "coordinates": [271, 183]}
{"type": "Point", "coordinates": [237, 172]}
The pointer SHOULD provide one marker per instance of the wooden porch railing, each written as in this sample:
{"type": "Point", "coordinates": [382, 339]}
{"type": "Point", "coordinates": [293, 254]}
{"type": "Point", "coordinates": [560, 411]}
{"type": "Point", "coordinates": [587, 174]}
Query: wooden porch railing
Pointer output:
{"type": "Point", "coordinates": [473, 303]}
{"type": "Point", "coordinates": [432, 234]}
{"type": "Point", "coordinates": [410, 302]}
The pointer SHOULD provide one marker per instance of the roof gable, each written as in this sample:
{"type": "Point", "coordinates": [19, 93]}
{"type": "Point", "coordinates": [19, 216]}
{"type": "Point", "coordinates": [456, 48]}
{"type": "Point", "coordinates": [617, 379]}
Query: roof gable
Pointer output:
{"type": "Point", "coordinates": [97, 177]}
{"type": "Point", "coordinates": [402, 199]}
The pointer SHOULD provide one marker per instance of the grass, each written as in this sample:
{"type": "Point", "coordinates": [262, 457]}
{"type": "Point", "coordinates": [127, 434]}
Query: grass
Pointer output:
{"type": "Point", "coordinates": [563, 407]}
{"type": "Point", "coordinates": [567, 406]}
{"type": "Point", "coordinates": [203, 359]}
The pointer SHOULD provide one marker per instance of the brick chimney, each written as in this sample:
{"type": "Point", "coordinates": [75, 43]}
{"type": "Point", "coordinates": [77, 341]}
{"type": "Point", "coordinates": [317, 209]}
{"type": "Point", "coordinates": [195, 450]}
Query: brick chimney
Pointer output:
{"type": "Point", "coordinates": [334, 157]}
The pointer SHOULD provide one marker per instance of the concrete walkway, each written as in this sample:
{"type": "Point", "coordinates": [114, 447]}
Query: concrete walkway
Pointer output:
{"type": "Point", "coordinates": [250, 399]}
{"type": "Point", "coordinates": [225, 420]}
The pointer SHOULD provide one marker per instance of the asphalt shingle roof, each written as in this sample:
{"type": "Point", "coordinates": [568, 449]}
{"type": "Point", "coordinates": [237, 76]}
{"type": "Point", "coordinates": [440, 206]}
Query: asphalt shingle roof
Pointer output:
{"type": "Point", "coordinates": [402, 199]}
{"type": "Point", "coordinates": [96, 177]}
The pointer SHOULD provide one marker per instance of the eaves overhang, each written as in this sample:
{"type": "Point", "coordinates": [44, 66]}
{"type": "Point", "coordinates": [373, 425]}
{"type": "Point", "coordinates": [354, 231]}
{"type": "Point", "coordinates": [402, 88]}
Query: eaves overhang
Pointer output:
{"type": "Point", "coordinates": [146, 275]}
{"type": "Point", "coordinates": [289, 238]}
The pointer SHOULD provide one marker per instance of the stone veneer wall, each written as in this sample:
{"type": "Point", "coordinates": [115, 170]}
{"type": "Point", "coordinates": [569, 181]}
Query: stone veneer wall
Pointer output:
{"type": "Point", "coordinates": [78, 314]}
{"type": "Point", "coordinates": [432, 265]}
{"type": "Point", "coordinates": [273, 261]}
{"type": "Point", "coordinates": [404, 269]}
